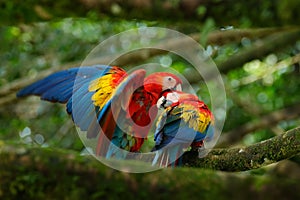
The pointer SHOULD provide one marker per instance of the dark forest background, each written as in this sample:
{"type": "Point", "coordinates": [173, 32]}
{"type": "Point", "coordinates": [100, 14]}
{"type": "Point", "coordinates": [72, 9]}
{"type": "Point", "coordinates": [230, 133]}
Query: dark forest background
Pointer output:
{"type": "Point", "coordinates": [255, 45]}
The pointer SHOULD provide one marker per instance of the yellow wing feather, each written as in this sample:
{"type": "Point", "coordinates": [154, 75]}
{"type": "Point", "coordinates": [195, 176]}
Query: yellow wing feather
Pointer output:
{"type": "Point", "coordinates": [104, 90]}
{"type": "Point", "coordinates": [194, 118]}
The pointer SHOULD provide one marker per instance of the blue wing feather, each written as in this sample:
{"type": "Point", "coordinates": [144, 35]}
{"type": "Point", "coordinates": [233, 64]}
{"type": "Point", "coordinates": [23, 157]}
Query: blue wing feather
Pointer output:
{"type": "Point", "coordinates": [103, 110]}
{"type": "Point", "coordinates": [62, 82]}
{"type": "Point", "coordinates": [171, 140]}
{"type": "Point", "coordinates": [177, 129]}
{"type": "Point", "coordinates": [177, 132]}
{"type": "Point", "coordinates": [41, 87]}
{"type": "Point", "coordinates": [81, 109]}
{"type": "Point", "coordinates": [63, 88]}
{"type": "Point", "coordinates": [71, 87]}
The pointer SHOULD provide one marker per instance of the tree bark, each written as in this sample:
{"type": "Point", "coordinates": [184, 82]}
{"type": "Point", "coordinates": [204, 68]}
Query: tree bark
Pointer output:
{"type": "Point", "coordinates": [254, 156]}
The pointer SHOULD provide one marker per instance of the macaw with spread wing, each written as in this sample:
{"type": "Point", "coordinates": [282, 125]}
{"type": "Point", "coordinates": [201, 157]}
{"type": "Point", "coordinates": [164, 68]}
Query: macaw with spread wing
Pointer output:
{"type": "Point", "coordinates": [185, 122]}
{"type": "Point", "coordinates": [107, 103]}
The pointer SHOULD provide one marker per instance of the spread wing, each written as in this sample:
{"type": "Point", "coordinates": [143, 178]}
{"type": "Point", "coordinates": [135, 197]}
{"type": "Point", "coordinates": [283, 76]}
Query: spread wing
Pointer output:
{"type": "Point", "coordinates": [87, 91]}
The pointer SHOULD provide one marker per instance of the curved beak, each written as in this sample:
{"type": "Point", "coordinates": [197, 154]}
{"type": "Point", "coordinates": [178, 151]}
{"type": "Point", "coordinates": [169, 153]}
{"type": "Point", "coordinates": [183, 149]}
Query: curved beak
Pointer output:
{"type": "Point", "coordinates": [161, 102]}
{"type": "Point", "coordinates": [178, 87]}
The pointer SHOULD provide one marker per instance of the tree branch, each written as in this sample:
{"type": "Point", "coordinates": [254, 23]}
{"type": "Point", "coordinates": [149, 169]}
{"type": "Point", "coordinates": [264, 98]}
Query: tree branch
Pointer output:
{"type": "Point", "coordinates": [233, 159]}
{"type": "Point", "coordinates": [34, 172]}
{"type": "Point", "coordinates": [42, 173]}
{"type": "Point", "coordinates": [251, 157]}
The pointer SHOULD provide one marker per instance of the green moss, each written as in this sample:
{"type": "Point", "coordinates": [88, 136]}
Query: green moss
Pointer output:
{"type": "Point", "coordinates": [44, 173]}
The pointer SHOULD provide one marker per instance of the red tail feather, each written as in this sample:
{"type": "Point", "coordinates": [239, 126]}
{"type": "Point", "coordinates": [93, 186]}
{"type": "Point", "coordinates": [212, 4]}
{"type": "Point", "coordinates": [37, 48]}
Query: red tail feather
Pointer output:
{"type": "Point", "coordinates": [108, 125]}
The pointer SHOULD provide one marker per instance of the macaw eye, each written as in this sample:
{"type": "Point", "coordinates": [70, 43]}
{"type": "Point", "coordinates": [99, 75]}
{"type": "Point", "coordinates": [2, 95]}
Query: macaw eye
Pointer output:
{"type": "Point", "coordinates": [169, 79]}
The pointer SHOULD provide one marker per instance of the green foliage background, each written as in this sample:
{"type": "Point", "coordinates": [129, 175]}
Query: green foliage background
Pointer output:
{"type": "Point", "coordinates": [36, 36]}
{"type": "Point", "coordinates": [36, 45]}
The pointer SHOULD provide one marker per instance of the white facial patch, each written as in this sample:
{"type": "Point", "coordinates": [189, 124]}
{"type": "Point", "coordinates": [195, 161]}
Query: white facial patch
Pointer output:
{"type": "Point", "coordinates": [164, 102]}
{"type": "Point", "coordinates": [169, 83]}
{"type": "Point", "coordinates": [173, 97]}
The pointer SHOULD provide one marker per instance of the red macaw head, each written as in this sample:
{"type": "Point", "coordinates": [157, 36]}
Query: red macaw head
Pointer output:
{"type": "Point", "coordinates": [161, 81]}
{"type": "Point", "coordinates": [173, 98]}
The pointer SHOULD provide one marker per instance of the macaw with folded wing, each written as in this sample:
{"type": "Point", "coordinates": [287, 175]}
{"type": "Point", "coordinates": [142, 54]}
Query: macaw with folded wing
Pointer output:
{"type": "Point", "coordinates": [107, 103]}
{"type": "Point", "coordinates": [185, 122]}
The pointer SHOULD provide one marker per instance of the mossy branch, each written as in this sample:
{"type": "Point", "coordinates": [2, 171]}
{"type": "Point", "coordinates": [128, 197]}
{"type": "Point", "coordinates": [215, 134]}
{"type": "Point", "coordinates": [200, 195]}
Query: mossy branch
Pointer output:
{"type": "Point", "coordinates": [232, 159]}
{"type": "Point", "coordinates": [43, 173]}
{"type": "Point", "coordinates": [251, 157]}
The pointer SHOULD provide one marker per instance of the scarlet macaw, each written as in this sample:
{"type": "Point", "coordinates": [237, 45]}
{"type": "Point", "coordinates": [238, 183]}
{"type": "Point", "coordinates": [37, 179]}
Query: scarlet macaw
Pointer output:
{"type": "Point", "coordinates": [185, 122]}
{"type": "Point", "coordinates": [123, 105]}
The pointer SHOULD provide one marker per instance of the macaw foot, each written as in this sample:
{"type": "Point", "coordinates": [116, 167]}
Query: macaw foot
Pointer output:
{"type": "Point", "coordinates": [199, 147]}
{"type": "Point", "coordinates": [196, 146]}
